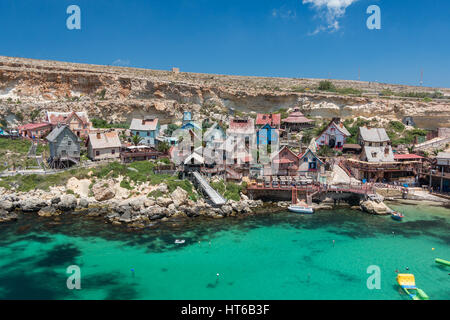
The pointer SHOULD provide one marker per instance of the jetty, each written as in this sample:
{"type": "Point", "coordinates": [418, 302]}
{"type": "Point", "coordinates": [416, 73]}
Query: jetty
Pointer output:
{"type": "Point", "coordinates": [315, 190]}
{"type": "Point", "coordinates": [206, 188]}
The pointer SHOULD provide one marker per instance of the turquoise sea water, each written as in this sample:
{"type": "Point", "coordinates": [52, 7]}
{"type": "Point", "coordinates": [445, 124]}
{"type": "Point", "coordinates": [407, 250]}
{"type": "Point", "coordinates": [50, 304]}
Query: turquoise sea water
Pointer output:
{"type": "Point", "coordinates": [273, 256]}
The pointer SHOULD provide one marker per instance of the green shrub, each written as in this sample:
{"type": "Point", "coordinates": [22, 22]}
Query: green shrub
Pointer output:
{"type": "Point", "coordinates": [397, 126]}
{"type": "Point", "coordinates": [125, 184]}
{"type": "Point", "coordinates": [326, 85]}
{"type": "Point", "coordinates": [349, 91]}
{"type": "Point", "coordinates": [155, 194]}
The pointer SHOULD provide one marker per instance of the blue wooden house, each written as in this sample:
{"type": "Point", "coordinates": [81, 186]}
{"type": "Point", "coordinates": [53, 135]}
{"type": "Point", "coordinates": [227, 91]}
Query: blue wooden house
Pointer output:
{"type": "Point", "coordinates": [147, 128]}
{"type": "Point", "coordinates": [267, 135]}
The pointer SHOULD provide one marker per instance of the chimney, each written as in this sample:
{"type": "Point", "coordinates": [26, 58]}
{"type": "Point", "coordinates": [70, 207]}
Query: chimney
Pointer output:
{"type": "Point", "coordinates": [98, 135]}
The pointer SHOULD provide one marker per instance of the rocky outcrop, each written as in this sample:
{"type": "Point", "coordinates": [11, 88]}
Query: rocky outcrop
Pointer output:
{"type": "Point", "coordinates": [6, 216]}
{"type": "Point", "coordinates": [374, 207]}
{"type": "Point", "coordinates": [119, 94]}
{"type": "Point", "coordinates": [103, 191]}
{"type": "Point", "coordinates": [179, 197]}
{"type": "Point", "coordinates": [49, 211]}
{"type": "Point", "coordinates": [68, 202]}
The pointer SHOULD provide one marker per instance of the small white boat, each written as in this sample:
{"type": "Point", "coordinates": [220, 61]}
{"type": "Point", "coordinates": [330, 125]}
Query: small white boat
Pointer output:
{"type": "Point", "coordinates": [301, 209]}
{"type": "Point", "coordinates": [180, 241]}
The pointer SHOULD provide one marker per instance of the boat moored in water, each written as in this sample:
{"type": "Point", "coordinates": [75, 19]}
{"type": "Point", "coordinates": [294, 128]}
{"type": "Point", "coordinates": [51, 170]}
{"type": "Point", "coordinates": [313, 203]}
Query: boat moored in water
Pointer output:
{"type": "Point", "coordinates": [301, 209]}
{"type": "Point", "coordinates": [397, 216]}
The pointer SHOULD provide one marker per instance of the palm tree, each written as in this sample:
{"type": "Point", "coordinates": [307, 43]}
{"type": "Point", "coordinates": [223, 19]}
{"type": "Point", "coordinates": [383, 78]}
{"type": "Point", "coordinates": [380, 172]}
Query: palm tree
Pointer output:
{"type": "Point", "coordinates": [411, 149]}
{"type": "Point", "coordinates": [163, 146]}
{"type": "Point", "coordinates": [136, 139]}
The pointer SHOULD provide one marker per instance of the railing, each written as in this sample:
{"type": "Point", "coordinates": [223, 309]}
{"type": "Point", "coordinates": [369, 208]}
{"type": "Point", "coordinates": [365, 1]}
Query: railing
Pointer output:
{"type": "Point", "coordinates": [436, 173]}
{"type": "Point", "coordinates": [314, 187]}
{"type": "Point", "coordinates": [366, 166]}
{"type": "Point", "coordinates": [140, 154]}
{"type": "Point", "coordinates": [428, 144]}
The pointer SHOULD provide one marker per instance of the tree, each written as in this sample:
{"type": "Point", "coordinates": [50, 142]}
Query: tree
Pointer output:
{"type": "Point", "coordinates": [325, 151]}
{"type": "Point", "coordinates": [34, 114]}
{"type": "Point", "coordinates": [163, 146]}
{"type": "Point", "coordinates": [411, 149]}
{"type": "Point", "coordinates": [136, 140]}
{"type": "Point", "coordinates": [307, 136]}
{"type": "Point", "coordinates": [170, 129]}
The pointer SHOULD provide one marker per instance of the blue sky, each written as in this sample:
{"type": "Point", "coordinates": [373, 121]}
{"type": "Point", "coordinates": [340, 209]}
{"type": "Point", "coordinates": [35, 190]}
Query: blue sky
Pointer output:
{"type": "Point", "coordinates": [290, 38]}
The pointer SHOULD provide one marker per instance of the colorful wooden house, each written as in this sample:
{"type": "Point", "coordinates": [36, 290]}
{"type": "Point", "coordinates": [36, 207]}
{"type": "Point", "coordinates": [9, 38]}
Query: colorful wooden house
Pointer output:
{"type": "Point", "coordinates": [334, 135]}
{"type": "Point", "coordinates": [147, 128]}
{"type": "Point", "coordinates": [285, 163]}
{"type": "Point", "coordinates": [267, 135]}
{"type": "Point", "coordinates": [35, 130]}
{"type": "Point", "coordinates": [296, 122]}
{"type": "Point", "coordinates": [103, 145]}
{"type": "Point", "coordinates": [64, 146]}
{"type": "Point", "coordinates": [310, 164]}
{"type": "Point", "coordinates": [272, 119]}
{"type": "Point", "coordinates": [188, 123]}
{"type": "Point", "coordinates": [78, 122]}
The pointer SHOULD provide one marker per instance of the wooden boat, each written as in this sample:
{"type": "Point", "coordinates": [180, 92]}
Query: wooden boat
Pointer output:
{"type": "Point", "coordinates": [408, 284]}
{"type": "Point", "coordinates": [301, 209]}
{"type": "Point", "coordinates": [397, 216]}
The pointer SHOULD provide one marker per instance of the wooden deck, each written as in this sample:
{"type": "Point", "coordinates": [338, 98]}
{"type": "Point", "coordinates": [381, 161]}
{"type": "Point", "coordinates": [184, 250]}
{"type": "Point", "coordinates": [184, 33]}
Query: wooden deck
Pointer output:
{"type": "Point", "coordinates": [361, 190]}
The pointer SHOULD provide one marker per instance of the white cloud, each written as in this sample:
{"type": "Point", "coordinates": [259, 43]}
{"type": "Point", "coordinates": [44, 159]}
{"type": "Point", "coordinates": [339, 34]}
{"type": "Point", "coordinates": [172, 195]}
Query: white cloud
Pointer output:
{"type": "Point", "coordinates": [330, 11]}
{"type": "Point", "coordinates": [120, 62]}
{"type": "Point", "coordinates": [284, 13]}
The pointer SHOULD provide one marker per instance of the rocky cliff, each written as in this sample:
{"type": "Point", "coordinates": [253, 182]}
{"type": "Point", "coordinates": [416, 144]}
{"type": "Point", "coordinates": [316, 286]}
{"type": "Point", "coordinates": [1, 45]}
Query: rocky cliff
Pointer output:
{"type": "Point", "coordinates": [117, 94]}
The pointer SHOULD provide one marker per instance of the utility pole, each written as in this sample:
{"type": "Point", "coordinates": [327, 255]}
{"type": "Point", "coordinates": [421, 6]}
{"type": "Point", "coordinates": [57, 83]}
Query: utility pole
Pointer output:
{"type": "Point", "coordinates": [421, 78]}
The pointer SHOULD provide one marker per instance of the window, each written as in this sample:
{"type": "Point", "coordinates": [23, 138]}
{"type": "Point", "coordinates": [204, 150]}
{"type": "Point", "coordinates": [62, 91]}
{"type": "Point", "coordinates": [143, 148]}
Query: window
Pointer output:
{"type": "Point", "coordinates": [97, 153]}
{"type": "Point", "coordinates": [69, 142]}
{"type": "Point", "coordinates": [113, 151]}
{"type": "Point", "coordinates": [313, 164]}
{"type": "Point", "coordinates": [148, 133]}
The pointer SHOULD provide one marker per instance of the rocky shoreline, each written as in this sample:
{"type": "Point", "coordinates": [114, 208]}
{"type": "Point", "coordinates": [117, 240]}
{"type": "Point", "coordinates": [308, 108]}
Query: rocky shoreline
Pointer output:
{"type": "Point", "coordinates": [143, 211]}
{"type": "Point", "coordinates": [136, 212]}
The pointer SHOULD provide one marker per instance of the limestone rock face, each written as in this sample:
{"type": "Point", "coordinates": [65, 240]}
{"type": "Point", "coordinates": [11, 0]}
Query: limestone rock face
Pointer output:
{"type": "Point", "coordinates": [129, 92]}
{"type": "Point", "coordinates": [374, 207]}
{"type": "Point", "coordinates": [48, 212]}
{"type": "Point", "coordinates": [7, 205]}
{"type": "Point", "coordinates": [6, 216]}
{"type": "Point", "coordinates": [179, 196]}
{"type": "Point", "coordinates": [163, 201]}
{"type": "Point", "coordinates": [162, 187]}
{"type": "Point", "coordinates": [68, 202]}
{"type": "Point", "coordinates": [32, 204]}
{"type": "Point", "coordinates": [80, 187]}
{"type": "Point", "coordinates": [103, 191]}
